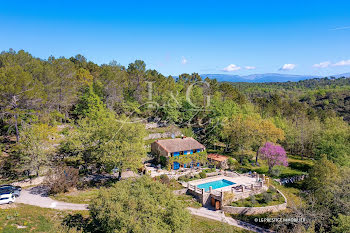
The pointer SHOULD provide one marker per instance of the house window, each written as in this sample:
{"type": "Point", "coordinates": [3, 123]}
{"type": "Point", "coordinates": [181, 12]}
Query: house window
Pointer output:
{"type": "Point", "coordinates": [176, 154]}
{"type": "Point", "coordinates": [176, 165]}
{"type": "Point", "coordinates": [191, 151]}
{"type": "Point", "coordinates": [198, 150]}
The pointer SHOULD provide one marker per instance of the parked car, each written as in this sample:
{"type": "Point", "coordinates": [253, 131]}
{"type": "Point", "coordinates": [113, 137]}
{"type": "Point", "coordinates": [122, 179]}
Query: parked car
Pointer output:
{"type": "Point", "coordinates": [16, 190]}
{"type": "Point", "coordinates": [7, 198]}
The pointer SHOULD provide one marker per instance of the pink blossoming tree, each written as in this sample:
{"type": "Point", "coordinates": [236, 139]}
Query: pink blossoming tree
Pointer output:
{"type": "Point", "coordinates": [274, 155]}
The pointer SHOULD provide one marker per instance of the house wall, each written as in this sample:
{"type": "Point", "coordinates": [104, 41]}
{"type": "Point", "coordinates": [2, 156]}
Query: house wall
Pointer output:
{"type": "Point", "coordinates": [158, 150]}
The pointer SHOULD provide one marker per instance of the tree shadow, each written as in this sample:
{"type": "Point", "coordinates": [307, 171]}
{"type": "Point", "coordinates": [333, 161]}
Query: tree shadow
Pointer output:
{"type": "Point", "coordinates": [79, 222]}
{"type": "Point", "coordinates": [40, 190]}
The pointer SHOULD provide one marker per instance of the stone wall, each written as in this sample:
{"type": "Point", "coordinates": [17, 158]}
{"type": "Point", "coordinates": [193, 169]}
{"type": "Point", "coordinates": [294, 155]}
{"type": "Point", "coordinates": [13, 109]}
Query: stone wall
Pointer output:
{"type": "Point", "coordinates": [256, 210]}
{"type": "Point", "coordinates": [162, 135]}
{"type": "Point", "coordinates": [180, 191]}
{"type": "Point", "coordinates": [201, 197]}
{"type": "Point", "coordinates": [245, 194]}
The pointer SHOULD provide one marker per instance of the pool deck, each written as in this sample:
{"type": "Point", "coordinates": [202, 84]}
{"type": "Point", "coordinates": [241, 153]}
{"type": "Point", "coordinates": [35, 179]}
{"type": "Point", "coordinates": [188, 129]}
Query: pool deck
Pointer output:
{"type": "Point", "coordinates": [239, 180]}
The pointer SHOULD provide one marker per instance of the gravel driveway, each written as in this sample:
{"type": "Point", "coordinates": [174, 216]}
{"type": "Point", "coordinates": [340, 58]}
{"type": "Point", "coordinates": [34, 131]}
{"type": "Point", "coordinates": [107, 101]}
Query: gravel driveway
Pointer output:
{"type": "Point", "coordinates": [37, 196]}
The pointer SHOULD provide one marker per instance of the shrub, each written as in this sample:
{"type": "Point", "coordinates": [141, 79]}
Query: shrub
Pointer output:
{"type": "Point", "coordinates": [164, 179]}
{"type": "Point", "coordinates": [61, 179]}
{"type": "Point", "coordinates": [266, 197]}
{"type": "Point", "coordinates": [184, 178]}
{"type": "Point", "coordinates": [202, 175]}
{"type": "Point", "coordinates": [272, 189]}
{"type": "Point", "coordinates": [232, 163]}
{"type": "Point", "coordinates": [275, 172]}
{"type": "Point", "coordinates": [245, 161]}
{"type": "Point", "coordinates": [253, 200]}
{"type": "Point", "coordinates": [228, 196]}
{"type": "Point", "coordinates": [75, 221]}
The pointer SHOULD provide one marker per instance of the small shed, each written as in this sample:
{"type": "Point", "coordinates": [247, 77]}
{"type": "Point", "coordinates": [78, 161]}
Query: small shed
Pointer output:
{"type": "Point", "coordinates": [219, 160]}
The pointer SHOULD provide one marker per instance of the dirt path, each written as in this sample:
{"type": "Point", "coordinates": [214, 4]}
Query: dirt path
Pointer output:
{"type": "Point", "coordinates": [37, 196]}
{"type": "Point", "coordinates": [220, 216]}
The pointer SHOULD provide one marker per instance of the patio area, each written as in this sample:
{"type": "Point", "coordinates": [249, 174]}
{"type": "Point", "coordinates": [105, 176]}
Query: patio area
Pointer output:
{"type": "Point", "coordinates": [219, 190]}
{"type": "Point", "coordinates": [154, 171]}
{"type": "Point", "coordinates": [243, 180]}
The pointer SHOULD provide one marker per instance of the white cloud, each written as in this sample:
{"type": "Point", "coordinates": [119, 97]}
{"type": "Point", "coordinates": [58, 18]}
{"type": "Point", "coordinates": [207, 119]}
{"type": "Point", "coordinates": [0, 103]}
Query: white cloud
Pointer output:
{"type": "Point", "coordinates": [184, 61]}
{"type": "Point", "coordinates": [231, 67]}
{"type": "Point", "coordinates": [324, 64]}
{"type": "Point", "coordinates": [340, 28]}
{"type": "Point", "coordinates": [342, 63]}
{"type": "Point", "coordinates": [288, 67]}
{"type": "Point", "coordinates": [250, 67]}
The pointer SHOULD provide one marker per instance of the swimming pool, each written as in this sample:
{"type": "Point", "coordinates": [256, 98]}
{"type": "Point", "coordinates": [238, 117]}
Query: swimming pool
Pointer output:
{"type": "Point", "coordinates": [215, 184]}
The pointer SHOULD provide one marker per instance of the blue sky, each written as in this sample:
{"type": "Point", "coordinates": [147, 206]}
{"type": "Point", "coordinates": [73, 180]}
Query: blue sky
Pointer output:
{"type": "Point", "coordinates": [233, 37]}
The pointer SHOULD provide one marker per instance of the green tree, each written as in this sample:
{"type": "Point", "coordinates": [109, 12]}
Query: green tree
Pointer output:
{"type": "Point", "coordinates": [341, 224]}
{"type": "Point", "coordinates": [19, 92]}
{"type": "Point", "coordinates": [139, 205]}
{"type": "Point", "coordinates": [103, 141]}
{"type": "Point", "coordinates": [323, 174]}
{"type": "Point", "coordinates": [137, 74]}
{"type": "Point", "coordinates": [64, 85]}
{"type": "Point", "coordinates": [36, 147]}
{"type": "Point", "coordinates": [88, 103]}
{"type": "Point", "coordinates": [335, 141]}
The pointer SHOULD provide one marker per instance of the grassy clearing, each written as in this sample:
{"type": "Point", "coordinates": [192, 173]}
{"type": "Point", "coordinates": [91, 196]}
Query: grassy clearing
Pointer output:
{"type": "Point", "coordinates": [292, 194]}
{"type": "Point", "coordinates": [26, 218]}
{"type": "Point", "coordinates": [204, 225]}
{"type": "Point", "coordinates": [300, 164]}
{"type": "Point", "coordinates": [251, 219]}
{"type": "Point", "coordinates": [268, 198]}
{"type": "Point", "coordinates": [296, 166]}
{"type": "Point", "coordinates": [78, 196]}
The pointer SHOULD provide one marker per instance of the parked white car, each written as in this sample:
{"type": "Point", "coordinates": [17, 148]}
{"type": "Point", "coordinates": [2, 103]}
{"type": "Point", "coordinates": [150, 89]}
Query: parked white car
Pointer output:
{"type": "Point", "coordinates": [7, 198]}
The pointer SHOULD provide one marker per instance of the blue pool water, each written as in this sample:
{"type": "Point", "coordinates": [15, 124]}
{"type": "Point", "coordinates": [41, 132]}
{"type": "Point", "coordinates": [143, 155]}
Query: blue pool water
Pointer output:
{"type": "Point", "coordinates": [215, 184]}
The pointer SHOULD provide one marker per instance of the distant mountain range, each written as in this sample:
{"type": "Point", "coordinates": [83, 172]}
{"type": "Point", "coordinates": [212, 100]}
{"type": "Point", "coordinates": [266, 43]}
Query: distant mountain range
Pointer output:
{"type": "Point", "coordinates": [269, 77]}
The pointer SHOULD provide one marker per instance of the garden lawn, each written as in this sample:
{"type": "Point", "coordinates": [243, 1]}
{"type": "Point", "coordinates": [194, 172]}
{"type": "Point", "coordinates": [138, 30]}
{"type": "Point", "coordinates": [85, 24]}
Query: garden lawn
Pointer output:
{"type": "Point", "coordinates": [25, 218]}
{"type": "Point", "coordinates": [78, 196]}
{"type": "Point", "coordinates": [269, 198]}
{"type": "Point", "coordinates": [292, 194]}
{"type": "Point", "coordinates": [204, 225]}
{"type": "Point", "coordinates": [296, 166]}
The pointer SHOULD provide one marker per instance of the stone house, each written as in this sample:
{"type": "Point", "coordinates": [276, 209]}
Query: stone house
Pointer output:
{"type": "Point", "coordinates": [176, 148]}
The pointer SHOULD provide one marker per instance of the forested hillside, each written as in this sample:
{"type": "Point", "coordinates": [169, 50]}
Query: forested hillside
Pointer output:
{"type": "Point", "coordinates": [90, 118]}
{"type": "Point", "coordinates": [59, 91]}
{"type": "Point", "coordinates": [323, 96]}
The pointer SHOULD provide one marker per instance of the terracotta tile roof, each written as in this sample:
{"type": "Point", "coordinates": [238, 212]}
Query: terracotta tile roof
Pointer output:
{"type": "Point", "coordinates": [217, 157]}
{"type": "Point", "coordinates": [179, 144]}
